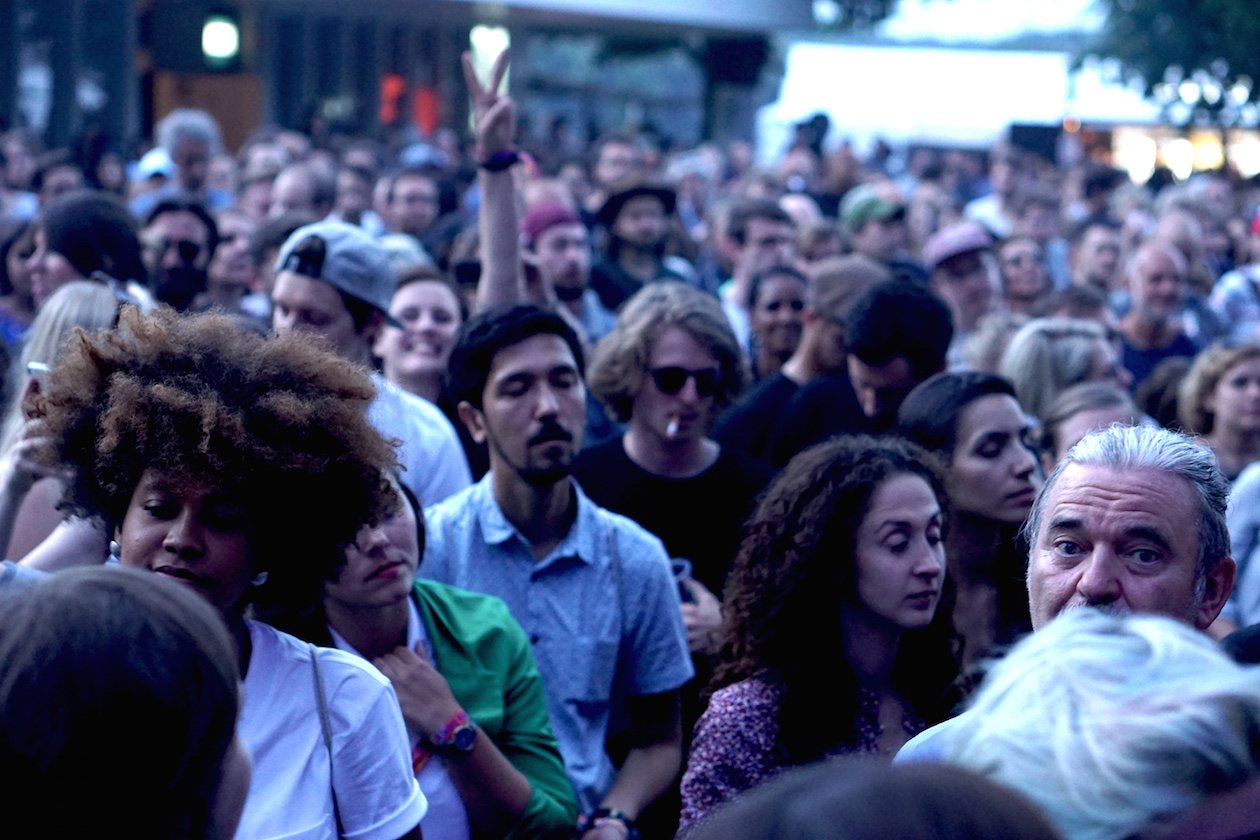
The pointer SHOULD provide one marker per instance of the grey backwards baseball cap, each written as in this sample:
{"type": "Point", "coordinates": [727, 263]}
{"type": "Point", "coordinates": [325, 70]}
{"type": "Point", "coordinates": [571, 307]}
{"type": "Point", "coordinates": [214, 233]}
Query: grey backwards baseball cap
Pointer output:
{"type": "Point", "coordinates": [348, 259]}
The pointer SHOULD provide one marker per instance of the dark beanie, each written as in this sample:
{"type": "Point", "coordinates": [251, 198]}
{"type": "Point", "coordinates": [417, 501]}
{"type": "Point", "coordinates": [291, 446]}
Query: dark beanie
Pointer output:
{"type": "Point", "coordinates": [94, 231]}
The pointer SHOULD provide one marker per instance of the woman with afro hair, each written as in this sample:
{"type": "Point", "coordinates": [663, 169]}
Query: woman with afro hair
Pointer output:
{"type": "Point", "coordinates": [241, 467]}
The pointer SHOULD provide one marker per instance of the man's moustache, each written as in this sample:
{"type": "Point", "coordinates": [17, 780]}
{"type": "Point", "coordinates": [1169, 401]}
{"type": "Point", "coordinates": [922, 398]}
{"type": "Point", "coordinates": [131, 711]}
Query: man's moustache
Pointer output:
{"type": "Point", "coordinates": [549, 433]}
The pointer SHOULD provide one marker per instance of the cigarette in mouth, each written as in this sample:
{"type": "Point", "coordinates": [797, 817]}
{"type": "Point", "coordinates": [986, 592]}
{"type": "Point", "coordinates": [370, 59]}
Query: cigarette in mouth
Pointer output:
{"type": "Point", "coordinates": [672, 428]}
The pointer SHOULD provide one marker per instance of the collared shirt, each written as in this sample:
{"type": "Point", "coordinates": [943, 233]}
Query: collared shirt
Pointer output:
{"type": "Point", "coordinates": [601, 611]}
{"type": "Point", "coordinates": [433, 460]}
{"type": "Point", "coordinates": [447, 818]}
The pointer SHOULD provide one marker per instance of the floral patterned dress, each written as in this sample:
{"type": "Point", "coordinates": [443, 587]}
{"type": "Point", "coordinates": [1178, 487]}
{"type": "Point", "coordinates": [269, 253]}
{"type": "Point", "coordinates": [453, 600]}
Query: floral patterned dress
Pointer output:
{"type": "Point", "coordinates": [734, 747]}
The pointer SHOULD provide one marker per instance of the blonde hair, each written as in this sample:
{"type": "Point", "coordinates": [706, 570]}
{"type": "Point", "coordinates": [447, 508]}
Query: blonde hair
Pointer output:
{"type": "Point", "coordinates": [1048, 355]}
{"type": "Point", "coordinates": [1205, 374]}
{"type": "Point", "coordinates": [987, 344]}
{"type": "Point", "coordinates": [79, 303]}
{"type": "Point", "coordinates": [619, 362]}
{"type": "Point", "coordinates": [1088, 396]}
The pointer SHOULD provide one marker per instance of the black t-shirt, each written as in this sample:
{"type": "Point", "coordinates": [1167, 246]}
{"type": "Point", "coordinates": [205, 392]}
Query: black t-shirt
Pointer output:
{"type": "Point", "coordinates": [615, 285]}
{"type": "Point", "coordinates": [700, 518]}
{"type": "Point", "coordinates": [823, 407]}
{"type": "Point", "coordinates": [747, 427]}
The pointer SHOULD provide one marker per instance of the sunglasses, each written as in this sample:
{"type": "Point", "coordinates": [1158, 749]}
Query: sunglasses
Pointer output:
{"type": "Point", "coordinates": [187, 249]}
{"type": "Point", "coordinates": [671, 380]}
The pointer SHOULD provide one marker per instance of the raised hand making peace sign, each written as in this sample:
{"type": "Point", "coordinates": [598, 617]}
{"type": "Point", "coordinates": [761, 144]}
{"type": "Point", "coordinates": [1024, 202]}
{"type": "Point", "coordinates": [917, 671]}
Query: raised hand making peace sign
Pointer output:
{"type": "Point", "coordinates": [494, 113]}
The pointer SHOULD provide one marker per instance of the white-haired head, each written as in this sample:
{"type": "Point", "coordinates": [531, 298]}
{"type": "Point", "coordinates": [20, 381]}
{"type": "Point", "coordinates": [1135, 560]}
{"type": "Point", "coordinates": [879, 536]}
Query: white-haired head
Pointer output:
{"type": "Point", "coordinates": [1112, 722]}
{"type": "Point", "coordinates": [190, 124]}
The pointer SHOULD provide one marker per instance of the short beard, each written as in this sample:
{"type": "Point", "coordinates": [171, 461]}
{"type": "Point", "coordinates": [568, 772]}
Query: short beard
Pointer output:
{"type": "Point", "coordinates": [544, 477]}
{"type": "Point", "coordinates": [538, 477]}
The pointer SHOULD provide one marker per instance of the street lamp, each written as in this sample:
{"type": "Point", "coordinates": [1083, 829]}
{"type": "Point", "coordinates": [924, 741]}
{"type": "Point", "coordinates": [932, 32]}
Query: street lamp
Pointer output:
{"type": "Point", "coordinates": [220, 40]}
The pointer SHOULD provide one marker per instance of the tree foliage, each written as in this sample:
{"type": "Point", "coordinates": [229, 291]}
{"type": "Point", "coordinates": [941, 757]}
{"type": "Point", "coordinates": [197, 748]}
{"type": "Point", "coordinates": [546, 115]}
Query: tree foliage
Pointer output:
{"type": "Point", "coordinates": [1151, 36]}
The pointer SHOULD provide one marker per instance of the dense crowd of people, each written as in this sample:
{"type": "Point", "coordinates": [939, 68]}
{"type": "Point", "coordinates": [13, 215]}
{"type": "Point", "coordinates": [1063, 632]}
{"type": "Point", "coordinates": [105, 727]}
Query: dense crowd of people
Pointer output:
{"type": "Point", "coordinates": [483, 490]}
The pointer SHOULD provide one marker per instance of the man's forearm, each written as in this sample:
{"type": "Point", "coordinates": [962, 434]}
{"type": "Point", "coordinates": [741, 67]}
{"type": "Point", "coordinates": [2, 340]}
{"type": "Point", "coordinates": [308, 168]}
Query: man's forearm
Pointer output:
{"type": "Point", "coordinates": [500, 254]}
{"type": "Point", "coordinates": [647, 772]}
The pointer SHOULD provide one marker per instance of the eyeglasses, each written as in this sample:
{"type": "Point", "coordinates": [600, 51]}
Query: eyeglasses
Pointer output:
{"type": "Point", "coordinates": [307, 258]}
{"type": "Point", "coordinates": [187, 249]}
{"type": "Point", "coordinates": [671, 380]}
{"type": "Point", "coordinates": [1020, 259]}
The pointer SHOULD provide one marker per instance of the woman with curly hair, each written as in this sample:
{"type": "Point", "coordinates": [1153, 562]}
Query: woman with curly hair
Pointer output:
{"type": "Point", "coordinates": [831, 645]}
{"type": "Point", "coordinates": [241, 467]}
{"type": "Point", "coordinates": [1219, 400]}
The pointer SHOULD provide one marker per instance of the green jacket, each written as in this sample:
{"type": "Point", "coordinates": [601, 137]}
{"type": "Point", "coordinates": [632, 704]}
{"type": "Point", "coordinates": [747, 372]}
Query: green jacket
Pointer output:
{"type": "Point", "coordinates": [488, 663]}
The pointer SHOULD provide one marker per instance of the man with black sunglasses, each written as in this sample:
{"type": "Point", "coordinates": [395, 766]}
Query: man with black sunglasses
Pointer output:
{"type": "Point", "coordinates": [669, 366]}
{"type": "Point", "coordinates": [666, 371]}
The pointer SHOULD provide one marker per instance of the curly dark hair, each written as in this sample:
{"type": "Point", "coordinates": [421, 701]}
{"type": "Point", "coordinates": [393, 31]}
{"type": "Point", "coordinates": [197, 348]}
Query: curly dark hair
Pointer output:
{"type": "Point", "coordinates": [795, 567]}
{"type": "Point", "coordinates": [279, 423]}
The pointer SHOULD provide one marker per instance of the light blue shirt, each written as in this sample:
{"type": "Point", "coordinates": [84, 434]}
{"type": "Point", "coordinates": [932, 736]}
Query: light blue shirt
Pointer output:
{"type": "Point", "coordinates": [15, 578]}
{"type": "Point", "coordinates": [931, 746]}
{"type": "Point", "coordinates": [601, 612]}
{"type": "Point", "coordinates": [1243, 518]}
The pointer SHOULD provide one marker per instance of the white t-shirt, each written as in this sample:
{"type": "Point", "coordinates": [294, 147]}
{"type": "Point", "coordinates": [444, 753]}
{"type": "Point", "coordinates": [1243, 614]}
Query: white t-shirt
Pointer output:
{"type": "Point", "coordinates": [434, 464]}
{"type": "Point", "coordinates": [290, 795]}
{"type": "Point", "coordinates": [447, 818]}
